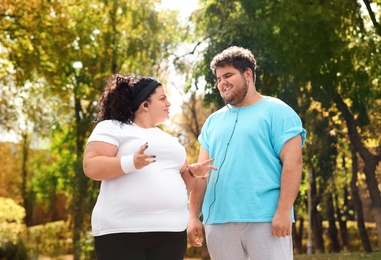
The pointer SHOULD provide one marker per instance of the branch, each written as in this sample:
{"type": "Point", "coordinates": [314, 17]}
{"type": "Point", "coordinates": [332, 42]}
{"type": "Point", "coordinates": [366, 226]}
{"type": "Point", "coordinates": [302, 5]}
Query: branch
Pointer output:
{"type": "Point", "coordinates": [189, 53]}
{"type": "Point", "coordinates": [354, 135]}
{"type": "Point", "coordinates": [372, 17]}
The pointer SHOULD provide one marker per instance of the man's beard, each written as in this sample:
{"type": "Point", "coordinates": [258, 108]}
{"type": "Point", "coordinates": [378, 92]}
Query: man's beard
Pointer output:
{"type": "Point", "coordinates": [237, 98]}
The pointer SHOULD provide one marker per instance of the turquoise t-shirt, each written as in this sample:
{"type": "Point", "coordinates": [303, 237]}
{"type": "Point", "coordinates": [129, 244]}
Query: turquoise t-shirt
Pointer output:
{"type": "Point", "coordinates": [245, 143]}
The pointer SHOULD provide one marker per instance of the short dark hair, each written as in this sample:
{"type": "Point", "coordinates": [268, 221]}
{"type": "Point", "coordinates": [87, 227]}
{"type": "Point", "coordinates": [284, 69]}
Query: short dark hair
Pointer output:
{"type": "Point", "coordinates": [238, 57]}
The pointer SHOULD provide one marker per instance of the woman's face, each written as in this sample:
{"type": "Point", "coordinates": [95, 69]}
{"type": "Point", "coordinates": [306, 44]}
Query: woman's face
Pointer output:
{"type": "Point", "coordinates": [158, 107]}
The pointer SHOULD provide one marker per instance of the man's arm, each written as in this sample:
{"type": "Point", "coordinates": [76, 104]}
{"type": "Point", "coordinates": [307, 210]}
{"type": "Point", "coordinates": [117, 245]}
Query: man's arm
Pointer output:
{"type": "Point", "coordinates": [291, 157]}
{"type": "Point", "coordinates": [195, 233]}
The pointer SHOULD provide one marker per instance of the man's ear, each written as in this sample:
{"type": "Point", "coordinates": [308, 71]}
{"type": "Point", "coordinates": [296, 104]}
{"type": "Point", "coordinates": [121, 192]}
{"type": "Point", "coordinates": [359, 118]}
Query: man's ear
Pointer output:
{"type": "Point", "coordinates": [248, 74]}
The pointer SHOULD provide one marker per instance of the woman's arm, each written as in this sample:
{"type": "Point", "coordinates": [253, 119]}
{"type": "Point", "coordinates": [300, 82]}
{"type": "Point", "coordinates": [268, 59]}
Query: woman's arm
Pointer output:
{"type": "Point", "coordinates": [100, 161]}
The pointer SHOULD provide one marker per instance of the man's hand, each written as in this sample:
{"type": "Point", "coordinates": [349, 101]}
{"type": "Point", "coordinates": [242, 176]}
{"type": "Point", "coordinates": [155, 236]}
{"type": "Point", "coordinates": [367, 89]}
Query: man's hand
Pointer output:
{"type": "Point", "coordinates": [281, 223]}
{"type": "Point", "coordinates": [200, 170]}
{"type": "Point", "coordinates": [195, 235]}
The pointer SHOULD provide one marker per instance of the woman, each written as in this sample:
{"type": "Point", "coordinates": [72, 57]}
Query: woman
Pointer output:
{"type": "Point", "coordinates": [141, 211]}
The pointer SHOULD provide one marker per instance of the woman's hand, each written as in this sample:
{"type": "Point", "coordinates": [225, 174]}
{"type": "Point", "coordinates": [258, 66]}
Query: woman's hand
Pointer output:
{"type": "Point", "coordinates": [141, 159]}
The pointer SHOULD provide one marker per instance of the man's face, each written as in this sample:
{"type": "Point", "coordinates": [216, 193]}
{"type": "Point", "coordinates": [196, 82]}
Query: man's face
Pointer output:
{"type": "Point", "coordinates": [231, 84]}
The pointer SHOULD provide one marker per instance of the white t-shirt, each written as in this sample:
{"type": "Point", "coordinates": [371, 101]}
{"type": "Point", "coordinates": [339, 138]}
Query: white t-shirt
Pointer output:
{"type": "Point", "coordinates": [150, 199]}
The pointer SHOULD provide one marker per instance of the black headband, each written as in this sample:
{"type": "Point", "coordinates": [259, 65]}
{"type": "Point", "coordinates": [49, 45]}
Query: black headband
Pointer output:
{"type": "Point", "coordinates": [144, 94]}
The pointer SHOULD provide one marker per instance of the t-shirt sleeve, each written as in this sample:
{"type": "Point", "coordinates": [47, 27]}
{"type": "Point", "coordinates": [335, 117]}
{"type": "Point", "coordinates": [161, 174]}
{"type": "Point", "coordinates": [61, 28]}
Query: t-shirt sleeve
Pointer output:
{"type": "Point", "coordinates": [106, 131]}
{"type": "Point", "coordinates": [204, 136]}
{"type": "Point", "coordinates": [287, 125]}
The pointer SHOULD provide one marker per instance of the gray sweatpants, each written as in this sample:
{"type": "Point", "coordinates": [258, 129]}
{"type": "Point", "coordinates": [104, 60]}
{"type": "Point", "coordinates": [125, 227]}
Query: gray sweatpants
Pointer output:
{"type": "Point", "coordinates": [246, 240]}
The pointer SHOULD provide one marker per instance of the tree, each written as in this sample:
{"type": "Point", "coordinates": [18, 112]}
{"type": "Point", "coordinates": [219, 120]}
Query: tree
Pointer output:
{"type": "Point", "coordinates": [190, 122]}
{"type": "Point", "coordinates": [9, 180]}
{"type": "Point", "coordinates": [358, 204]}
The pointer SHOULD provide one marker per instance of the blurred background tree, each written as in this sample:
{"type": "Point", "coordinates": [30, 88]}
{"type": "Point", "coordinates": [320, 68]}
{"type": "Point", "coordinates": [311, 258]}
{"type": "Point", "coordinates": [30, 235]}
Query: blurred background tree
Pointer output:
{"type": "Point", "coordinates": [320, 57]}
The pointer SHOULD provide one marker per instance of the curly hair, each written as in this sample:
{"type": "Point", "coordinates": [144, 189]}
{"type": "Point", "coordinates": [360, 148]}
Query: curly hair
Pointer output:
{"type": "Point", "coordinates": [116, 100]}
{"type": "Point", "coordinates": [238, 57]}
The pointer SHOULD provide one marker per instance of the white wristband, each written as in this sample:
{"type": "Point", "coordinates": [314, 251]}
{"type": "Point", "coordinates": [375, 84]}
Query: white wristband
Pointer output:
{"type": "Point", "coordinates": [127, 163]}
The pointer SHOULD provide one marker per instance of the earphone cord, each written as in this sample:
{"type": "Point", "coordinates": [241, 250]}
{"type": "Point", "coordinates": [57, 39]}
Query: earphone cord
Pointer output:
{"type": "Point", "coordinates": [222, 163]}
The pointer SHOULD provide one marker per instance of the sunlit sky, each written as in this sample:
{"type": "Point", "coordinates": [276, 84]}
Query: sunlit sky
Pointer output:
{"type": "Point", "coordinates": [185, 7]}
{"type": "Point", "coordinates": [175, 83]}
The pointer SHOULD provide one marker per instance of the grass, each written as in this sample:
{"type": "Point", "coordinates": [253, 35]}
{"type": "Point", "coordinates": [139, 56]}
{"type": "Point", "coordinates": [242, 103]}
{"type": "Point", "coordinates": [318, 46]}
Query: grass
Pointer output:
{"type": "Point", "coordinates": [340, 256]}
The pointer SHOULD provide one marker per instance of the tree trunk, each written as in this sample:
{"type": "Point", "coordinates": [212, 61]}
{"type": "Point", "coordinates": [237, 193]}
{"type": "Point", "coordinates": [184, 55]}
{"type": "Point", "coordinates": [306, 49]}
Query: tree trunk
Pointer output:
{"type": "Point", "coordinates": [332, 229]}
{"type": "Point", "coordinates": [370, 161]}
{"type": "Point", "coordinates": [80, 203]}
{"type": "Point", "coordinates": [297, 235]}
{"type": "Point", "coordinates": [342, 218]}
{"type": "Point", "coordinates": [342, 211]}
{"type": "Point", "coordinates": [358, 204]}
{"type": "Point", "coordinates": [316, 221]}
{"type": "Point", "coordinates": [28, 206]}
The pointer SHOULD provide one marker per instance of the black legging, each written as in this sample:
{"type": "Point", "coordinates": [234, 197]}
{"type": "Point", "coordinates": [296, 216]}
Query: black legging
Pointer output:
{"type": "Point", "coordinates": [141, 246]}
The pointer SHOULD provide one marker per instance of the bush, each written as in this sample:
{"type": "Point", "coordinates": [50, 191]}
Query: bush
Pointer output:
{"type": "Point", "coordinates": [13, 251]}
{"type": "Point", "coordinates": [11, 230]}
{"type": "Point", "coordinates": [52, 239]}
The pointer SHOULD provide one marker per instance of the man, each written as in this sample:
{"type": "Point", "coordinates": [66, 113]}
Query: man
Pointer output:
{"type": "Point", "coordinates": [256, 142]}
